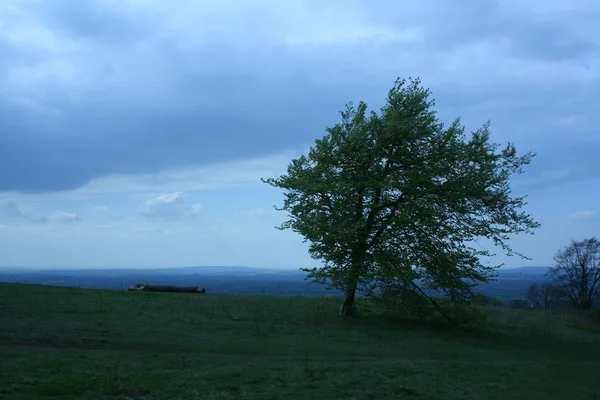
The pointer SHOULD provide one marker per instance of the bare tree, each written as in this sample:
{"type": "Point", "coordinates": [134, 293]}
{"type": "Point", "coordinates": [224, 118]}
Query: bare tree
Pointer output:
{"type": "Point", "coordinates": [577, 272]}
{"type": "Point", "coordinates": [544, 295]}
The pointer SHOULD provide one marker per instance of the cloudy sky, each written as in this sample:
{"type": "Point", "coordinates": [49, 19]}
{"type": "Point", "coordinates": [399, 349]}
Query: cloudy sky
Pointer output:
{"type": "Point", "coordinates": [135, 132]}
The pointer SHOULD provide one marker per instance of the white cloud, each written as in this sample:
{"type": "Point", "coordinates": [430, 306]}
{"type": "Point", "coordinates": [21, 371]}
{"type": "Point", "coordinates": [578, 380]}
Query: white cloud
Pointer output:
{"type": "Point", "coordinates": [196, 208]}
{"type": "Point", "coordinates": [65, 217]}
{"type": "Point", "coordinates": [101, 211]}
{"type": "Point", "coordinates": [583, 214]}
{"type": "Point", "coordinates": [234, 174]}
{"type": "Point", "coordinates": [169, 206]}
{"type": "Point", "coordinates": [10, 208]}
{"type": "Point", "coordinates": [221, 175]}
{"type": "Point", "coordinates": [12, 211]}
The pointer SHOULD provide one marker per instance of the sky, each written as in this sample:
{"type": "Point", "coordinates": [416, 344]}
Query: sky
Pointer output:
{"type": "Point", "coordinates": [134, 133]}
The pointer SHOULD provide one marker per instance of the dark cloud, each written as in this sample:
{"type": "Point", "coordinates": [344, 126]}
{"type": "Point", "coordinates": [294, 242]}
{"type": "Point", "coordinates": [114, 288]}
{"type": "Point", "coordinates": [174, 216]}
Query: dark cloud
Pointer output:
{"type": "Point", "coordinates": [95, 20]}
{"type": "Point", "coordinates": [97, 139]}
{"type": "Point", "coordinates": [525, 32]}
{"type": "Point", "coordinates": [139, 98]}
{"type": "Point", "coordinates": [201, 118]}
{"type": "Point", "coordinates": [550, 40]}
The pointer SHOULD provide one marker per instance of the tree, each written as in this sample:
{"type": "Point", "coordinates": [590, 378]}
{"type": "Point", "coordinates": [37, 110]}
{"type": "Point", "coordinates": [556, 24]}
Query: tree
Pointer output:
{"type": "Point", "coordinates": [544, 295]}
{"type": "Point", "coordinates": [391, 200]}
{"type": "Point", "coordinates": [577, 271]}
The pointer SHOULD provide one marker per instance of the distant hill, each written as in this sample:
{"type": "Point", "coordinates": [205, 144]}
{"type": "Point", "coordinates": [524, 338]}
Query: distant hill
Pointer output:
{"type": "Point", "coordinates": [513, 282]}
{"type": "Point", "coordinates": [238, 280]}
{"type": "Point", "coordinates": [510, 283]}
{"type": "Point", "coordinates": [526, 270]}
{"type": "Point", "coordinates": [209, 270]}
{"type": "Point", "coordinates": [527, 273]}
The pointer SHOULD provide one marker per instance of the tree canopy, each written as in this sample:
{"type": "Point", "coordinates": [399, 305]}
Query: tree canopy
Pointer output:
{"type": "Point", "coordinates": [394, 200]}
{"type": "Point", "coordinates": [577, 272]}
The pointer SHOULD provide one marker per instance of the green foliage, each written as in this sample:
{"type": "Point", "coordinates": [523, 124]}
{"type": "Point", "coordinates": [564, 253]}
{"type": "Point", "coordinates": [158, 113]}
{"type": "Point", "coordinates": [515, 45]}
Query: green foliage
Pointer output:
{"type": "Point", "coordinates": [406, 303]}
{"type": "Point", "coordinates": [464, 315]}
{"type": "Point", "coordinates": [395, 198]}
{"type": "Point", "coordinates": [412, 305]}
{"type": "Point", "coordinates": [484, 300]}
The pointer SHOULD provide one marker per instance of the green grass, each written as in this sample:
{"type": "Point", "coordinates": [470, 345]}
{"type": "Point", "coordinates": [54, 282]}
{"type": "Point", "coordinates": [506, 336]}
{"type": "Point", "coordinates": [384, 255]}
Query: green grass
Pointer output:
{"type": "Point", "coordinates": [68, 343]}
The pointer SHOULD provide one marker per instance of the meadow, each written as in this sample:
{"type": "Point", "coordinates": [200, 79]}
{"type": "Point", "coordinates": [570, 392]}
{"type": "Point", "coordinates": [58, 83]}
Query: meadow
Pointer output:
{"type": "Point", "coordinates": [71, 343]}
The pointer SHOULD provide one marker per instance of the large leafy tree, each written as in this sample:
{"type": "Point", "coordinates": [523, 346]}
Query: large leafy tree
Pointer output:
{"type": "Point", "coordinates": [577, 272]}
{"type": "Point", "coordinates": [395, 199]}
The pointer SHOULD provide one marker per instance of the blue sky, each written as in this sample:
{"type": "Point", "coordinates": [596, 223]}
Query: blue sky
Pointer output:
{"type": "Point", "coordinates": [135, 133]}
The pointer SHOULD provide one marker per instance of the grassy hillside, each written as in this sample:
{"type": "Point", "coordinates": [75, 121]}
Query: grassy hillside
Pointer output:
{"type": "Point", "coordinates": [93, 344]}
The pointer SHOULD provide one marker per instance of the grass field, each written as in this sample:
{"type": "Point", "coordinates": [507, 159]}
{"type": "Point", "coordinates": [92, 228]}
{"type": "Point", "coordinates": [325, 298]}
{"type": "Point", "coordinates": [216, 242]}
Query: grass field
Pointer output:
{"type": "Point", "coordinates": [68, 343]}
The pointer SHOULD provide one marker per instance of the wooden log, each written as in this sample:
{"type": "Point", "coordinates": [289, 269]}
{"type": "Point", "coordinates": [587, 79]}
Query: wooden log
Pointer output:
{"type": "Point", "coordinates": [167, 288]}
{"type": "Point", "coordinates": [137, 288]}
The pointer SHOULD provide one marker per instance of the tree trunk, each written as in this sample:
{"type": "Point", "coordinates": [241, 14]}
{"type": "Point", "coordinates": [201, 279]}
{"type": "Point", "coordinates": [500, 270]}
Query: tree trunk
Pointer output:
{"type": "Point", "coordinates": [347, 308]}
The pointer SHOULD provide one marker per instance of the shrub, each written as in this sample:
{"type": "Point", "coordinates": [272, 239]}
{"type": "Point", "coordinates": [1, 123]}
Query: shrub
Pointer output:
{"type": "Point", "coordinates": [593, 316]}
{"type": "Point", "coordinates": [485, 300]}
{"type": "Point", "coordinates": [408, 304]}
{"type": "Point", "coordinates": [519, 303]}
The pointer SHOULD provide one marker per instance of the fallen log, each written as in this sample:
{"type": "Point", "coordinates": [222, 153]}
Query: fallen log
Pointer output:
{"type": "Point", "coordinates": [167, 289]}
